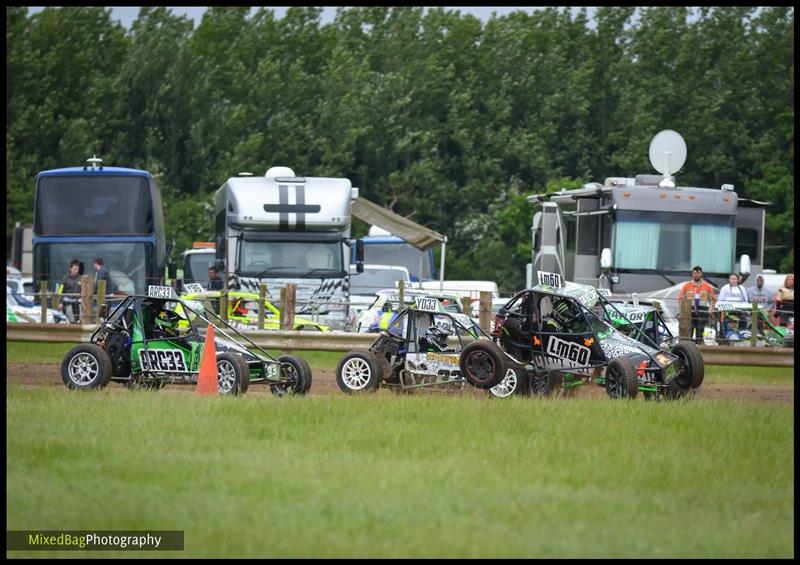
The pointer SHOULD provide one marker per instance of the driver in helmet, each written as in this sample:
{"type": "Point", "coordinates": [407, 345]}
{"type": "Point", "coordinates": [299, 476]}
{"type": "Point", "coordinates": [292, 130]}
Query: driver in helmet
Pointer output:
{"type": "Point", "coordinates": [166, 324]}
{"type": "Point", "coordinates": [435, 339]}
{"type": "Point", "coordinates": [563, 317]}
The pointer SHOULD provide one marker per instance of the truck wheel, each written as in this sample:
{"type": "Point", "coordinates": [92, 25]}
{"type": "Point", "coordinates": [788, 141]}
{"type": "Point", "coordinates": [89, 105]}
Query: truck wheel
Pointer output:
{"type": "Point", "coordinates": [232, 378]}
{"type": "Point", "coordinates": [359, 371]}
{"type": "Point", "coordinates": [693, 366]}
{"type": "Point", "coordinates": [300, 373]}
{"type": "Point", "coordinates": [86, 366]}
{"type": "Point", "coordinates": [482, 364]}
{"type": "Point", "coordinates": [516, 382]}
{"type": "Point", "coordinates": [621, 379]}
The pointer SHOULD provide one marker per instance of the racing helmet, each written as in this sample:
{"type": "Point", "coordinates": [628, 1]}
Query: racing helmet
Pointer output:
{"type": "Point", "coordinates": [167, 321]}
{"type": "Point", "coordinates": [564, 311]}
{"type": "Point", "coordinates": [436, 337]}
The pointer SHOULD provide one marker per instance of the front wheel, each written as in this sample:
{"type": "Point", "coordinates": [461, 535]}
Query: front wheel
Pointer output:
{"type": "Point", "coordinates": [86, 366]}
{"type": "Point", "coordinates": [482, 364]}
{"type": "Point", "coordinates": [693, 372]}
{"type": "Point", "coordinates": [621, 379]}
{"type": "Point", "coordinates": [358, 372]}
{"type": "Point", "coordinates": [298, 371]}
{"type": "Point", "coordinates": [232, 375]}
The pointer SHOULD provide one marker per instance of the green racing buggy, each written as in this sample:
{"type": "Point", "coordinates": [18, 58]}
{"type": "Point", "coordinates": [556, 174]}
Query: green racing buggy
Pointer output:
{"type": "Point", "coordinates": [151, 340]}
{"type": "Point", "coordinates": [561, 335]}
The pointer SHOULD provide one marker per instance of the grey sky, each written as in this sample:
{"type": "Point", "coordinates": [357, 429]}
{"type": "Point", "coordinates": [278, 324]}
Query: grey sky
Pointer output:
{"type": "Point", "coordinates": [127, 14]}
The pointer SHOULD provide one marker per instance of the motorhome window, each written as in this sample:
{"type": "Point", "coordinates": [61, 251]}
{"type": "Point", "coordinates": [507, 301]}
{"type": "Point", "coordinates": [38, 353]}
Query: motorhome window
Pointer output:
{"type": "Point", "coordinates": [747, 242]}
{"type": "Point", "coordinates": [673, 241]}
{"type": "Point", "coordinates": [401, 254]}
{"type": "Point", "coordinates": [290, 258]}
{"type": "Point", "coordinates": [126, 261]}
{"type": "Point", "coordinates": [96, 205]}
{"type": "Point", "coordinates": [373, 280]}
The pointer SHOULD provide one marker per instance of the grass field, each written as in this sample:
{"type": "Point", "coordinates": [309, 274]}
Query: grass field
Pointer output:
{"type": "Point", "coordinates": [394, 476]}
{"type": "Point", "coordinates": [29, 352]}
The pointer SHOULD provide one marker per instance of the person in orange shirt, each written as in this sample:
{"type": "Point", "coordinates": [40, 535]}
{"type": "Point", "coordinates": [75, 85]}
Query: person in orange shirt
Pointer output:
{"type": "Point", "coordinates": [699, 291]}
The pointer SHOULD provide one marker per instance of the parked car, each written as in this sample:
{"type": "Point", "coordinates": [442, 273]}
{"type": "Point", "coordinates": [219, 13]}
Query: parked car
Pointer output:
{"type": "Point", "coordinates": [364, 285]}
{"type": "Point", "coordinates": [20, 310]}
{"type": "Point", "coordinates": [388, 300]}
{"type": "Point", "coordinates": [243, 311]}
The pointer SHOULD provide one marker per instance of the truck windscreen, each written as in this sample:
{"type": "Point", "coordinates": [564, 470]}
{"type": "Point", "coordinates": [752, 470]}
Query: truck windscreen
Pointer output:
{"type": "Point", "coordinates": [402, 254]}
{"type": "Point", "coordinates": [674, 241]}
{"type": "Point", "coordinates": [290, 258]}
{"type": "Point", "coordinates": [93, 205]}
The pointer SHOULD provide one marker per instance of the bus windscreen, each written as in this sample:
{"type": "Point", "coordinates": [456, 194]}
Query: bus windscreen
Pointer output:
{"type": "Point", "coordinates": [93, 205]}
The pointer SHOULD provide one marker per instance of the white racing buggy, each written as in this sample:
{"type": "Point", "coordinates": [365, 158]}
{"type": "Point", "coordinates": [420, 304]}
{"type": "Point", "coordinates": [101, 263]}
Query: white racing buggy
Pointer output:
{"type": "Point", "coordinates": [423, 347]}
{"type": "Point", "coordinates": [561, 335]}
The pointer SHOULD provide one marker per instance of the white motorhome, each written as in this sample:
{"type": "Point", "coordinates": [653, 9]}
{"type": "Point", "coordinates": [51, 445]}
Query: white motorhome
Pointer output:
{"type": "Point", "coordinates": [280, 229]}
{"type": "Point", "coordinates": [645, 233]}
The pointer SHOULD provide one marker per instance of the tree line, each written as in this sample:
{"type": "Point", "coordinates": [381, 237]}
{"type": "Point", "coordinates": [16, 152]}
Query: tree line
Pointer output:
{"type": "Point", "coordinates": [434, 114]}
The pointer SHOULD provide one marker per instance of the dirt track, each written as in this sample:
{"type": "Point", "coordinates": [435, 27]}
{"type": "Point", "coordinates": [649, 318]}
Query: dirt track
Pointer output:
{"type": "Point", "coordinates": [31, 374]}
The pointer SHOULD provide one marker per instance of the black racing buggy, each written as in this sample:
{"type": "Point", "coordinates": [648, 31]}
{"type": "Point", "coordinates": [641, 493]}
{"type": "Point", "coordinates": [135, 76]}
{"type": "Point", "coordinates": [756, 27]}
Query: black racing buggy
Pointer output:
{"type": "Point", "coordinates": [158, 339]}
{"type": "Point", "coordinates": [561, 335]}
{"type": "Point", "coordinates": [423, 347]}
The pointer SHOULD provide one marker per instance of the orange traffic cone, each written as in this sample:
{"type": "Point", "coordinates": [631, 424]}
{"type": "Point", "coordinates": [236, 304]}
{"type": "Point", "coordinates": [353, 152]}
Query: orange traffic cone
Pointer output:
{"type": "Point", "coordinates": [207, 380]}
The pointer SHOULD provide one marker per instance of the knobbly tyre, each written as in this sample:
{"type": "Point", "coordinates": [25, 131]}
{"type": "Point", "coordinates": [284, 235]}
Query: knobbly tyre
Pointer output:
{"type": "Point", "coordinates": [560, 336]}
{"type": "Point", "coordinates": [423, 347]}
{"type": "Point", "coordinates": [154, 340]}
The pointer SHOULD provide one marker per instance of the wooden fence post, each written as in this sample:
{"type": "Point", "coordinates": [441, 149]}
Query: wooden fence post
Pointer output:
{"type": "Point", "coordinates": [288, 303]}
{"type": "Point", "coordinates": [101, 296]}
{"type": "Point", "coordinates": [262, 296]}
{"type": "Point", "coordinates": [223, 305]}
{"type": "Point", "coordinates": [755, 323]}
{"type": "Point", "coordinates": [86, 299]}
{"type": "Point", "coordinates": [401, 293]}
{"type": "Point", "coordinates": [485, 311]}
{"type": "Point", "coordinates": [43, 300]}
{"type": "Point", "coordinates": [685, 319]}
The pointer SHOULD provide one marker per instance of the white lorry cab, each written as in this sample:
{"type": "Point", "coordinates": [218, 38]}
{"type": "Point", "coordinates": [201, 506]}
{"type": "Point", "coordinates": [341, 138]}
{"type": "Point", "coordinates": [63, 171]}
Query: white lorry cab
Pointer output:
{"type": "Point", "coordinates": [280, 229]}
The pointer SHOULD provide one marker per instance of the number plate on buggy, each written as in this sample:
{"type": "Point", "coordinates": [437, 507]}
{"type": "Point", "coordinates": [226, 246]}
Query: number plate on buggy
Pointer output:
{"type": "Point", "coordinates": [162, 360]}
{"type": "Point", "coordinates": [550, 279]}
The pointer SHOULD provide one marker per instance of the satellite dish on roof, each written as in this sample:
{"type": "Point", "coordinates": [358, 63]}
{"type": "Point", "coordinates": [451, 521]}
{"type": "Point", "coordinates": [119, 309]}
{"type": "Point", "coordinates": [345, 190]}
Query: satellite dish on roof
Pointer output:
{"type": "Point", "coordinates": [667, 152]}
{"type": "Point", "coordinates": [273, 172]}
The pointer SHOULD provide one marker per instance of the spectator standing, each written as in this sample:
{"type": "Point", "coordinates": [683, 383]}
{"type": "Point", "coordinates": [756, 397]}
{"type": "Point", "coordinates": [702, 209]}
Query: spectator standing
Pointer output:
{"type": "Point", "coordinates": [214, 280]}
{"type": "Point", "coordinates": [69, 287]}
{"type": "Point", "coordinates": [102, 272]}
{"type": "Point", "coordinates": [733, 291]}
{"type": "Point", "coordinates": [702, 294]}
{"type": "Point", "coordinates": [761, 294]}
{"type": "Point", "coordinates": [784, 300]}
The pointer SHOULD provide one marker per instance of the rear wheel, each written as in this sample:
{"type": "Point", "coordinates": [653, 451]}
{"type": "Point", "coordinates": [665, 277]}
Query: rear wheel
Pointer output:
{"type": "Point", "coordinates": [299, 372]}
{"type": "Point", "coordinates": [516, 382]}
{"type": "Point", "coordinates": [693, 372]}
{"type": "Point", "coordinates": [482, 364]}
{"type": "Point", "coordinates": [359, 372]}
{"type": "Point", "coordinates": [86, 366]}
{"type": "Point", "coordinates": [621, 379]}
{"type": "Point", "coordinates": [232, 378]}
